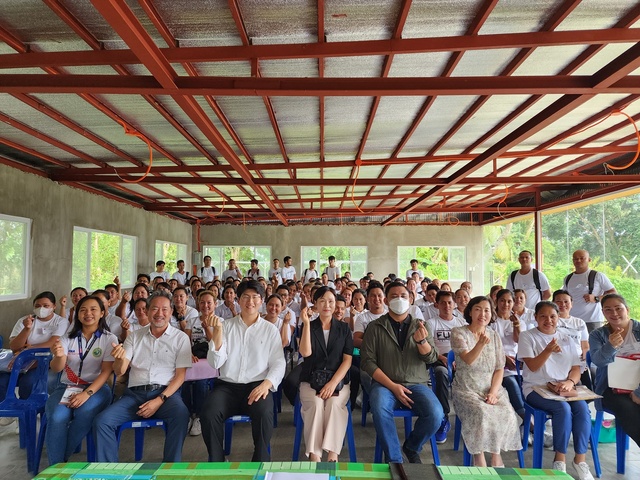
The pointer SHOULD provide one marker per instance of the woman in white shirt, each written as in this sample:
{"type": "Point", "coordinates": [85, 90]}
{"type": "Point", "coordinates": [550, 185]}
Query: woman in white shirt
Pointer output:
{"type": "Point", "coordinates": [182, 313]}
{"type": "Point", "coordinates": [274, 308]}
{"type": "Point", "coordinates": [39, 329]}
{"type": "Point", "coordinates": [84, 358]}
{"type": "Point", "coordinates": [552, 356]}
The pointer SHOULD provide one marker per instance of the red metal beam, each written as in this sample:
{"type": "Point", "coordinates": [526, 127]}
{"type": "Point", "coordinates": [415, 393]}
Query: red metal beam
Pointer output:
{"type": "Point", "coordinates": [124, 22]}
{"type": "Point", "coordinates": [313, 87]}
{"type": "Point", "coordinates": [443, 182]}
{"type": "Point", "coordinates": [395, 46]}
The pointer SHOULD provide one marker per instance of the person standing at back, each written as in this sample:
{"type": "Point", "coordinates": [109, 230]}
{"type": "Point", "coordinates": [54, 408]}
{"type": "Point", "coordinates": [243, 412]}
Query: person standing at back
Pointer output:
{"type": "Point", "coordinates": [332, 270]}
{"type": "Point", "coordinates": [288, 271]}
{"type": "Point", "coordinates": [532, 281]}
{"type": "Point", "coordinates": [586, 288]}
{"type": "Point", "coordinates": [208, 272]}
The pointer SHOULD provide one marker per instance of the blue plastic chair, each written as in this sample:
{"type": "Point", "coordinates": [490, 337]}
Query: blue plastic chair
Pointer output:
{"type": "Point", "coordinates": [622, 439]}
{"type": "Point", "coordinates": [27, 410]}
{"type": "Point", "coordinates": [139, 427]}
{"type": "Point", "coordinates": [540, 418]}
{"type": "Point", "coordinates": [297, 421]}
{"type": "Point", "coordinates": [228, 431]}
{"type": "Point", "coordinates": [408, 426]}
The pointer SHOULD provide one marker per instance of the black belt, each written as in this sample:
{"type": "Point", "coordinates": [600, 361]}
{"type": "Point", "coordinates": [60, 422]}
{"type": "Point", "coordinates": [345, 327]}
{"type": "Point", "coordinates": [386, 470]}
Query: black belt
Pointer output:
{"type": "Point", "coordinates": [147, 388]}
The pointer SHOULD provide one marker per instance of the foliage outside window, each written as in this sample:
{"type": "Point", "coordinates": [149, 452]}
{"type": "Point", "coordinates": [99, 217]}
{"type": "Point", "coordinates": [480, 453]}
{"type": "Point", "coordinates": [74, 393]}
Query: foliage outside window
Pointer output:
{"type": "Point", "coordinates": [608, 230]}
{"type": "Point", "coordinates": [15, 235]}
{"type": "Point", "coordinates": [349, 259]}
{"type": "Point", "coordinates": [171, 252]}
{"type": "Point", "coordinates": [220, 257]}
{"type": "Point", "coordinates": [444, 263]}
{"type": "Point", "coordinates": [99, 256]}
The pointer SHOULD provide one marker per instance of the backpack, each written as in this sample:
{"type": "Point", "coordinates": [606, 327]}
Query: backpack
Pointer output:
{"type": "Point", "coordinates": [536, 280]}
{"type": "Point", "coordinates": [591, 280]}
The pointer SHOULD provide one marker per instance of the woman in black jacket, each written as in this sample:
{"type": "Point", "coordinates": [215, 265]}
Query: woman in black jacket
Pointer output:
{"type": "Point", "coordinates": [327, 347]}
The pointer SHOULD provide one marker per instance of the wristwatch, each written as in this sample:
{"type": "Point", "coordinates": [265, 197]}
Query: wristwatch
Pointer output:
{"type": "Point", "coordinates": [422, 342]}
{"type": "Point", "coordinates": [163, 397]}
{"type": "Point", "coordinates": [89, 392]}
{"type": "Point", "coordinates": [597, 299]}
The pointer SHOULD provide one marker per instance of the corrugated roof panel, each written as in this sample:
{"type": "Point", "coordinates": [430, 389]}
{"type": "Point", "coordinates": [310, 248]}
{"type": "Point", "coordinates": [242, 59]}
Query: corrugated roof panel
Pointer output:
{"type": "Point", "coordinates": [596, 14]}
{"type": "Point", "coordinates": [345, 120]}
{"type": "Point", "coordinates": [223, 69]}
{"type": "Point", "coordinates": [419, 64]}
{"type": "Point", "coordinates": [549, 60]}
{"type": "Point", "coordinates": [513, 16]}
{"type": "Point", "coordinates": [297, 119]}
{"type": "Point", "coordinates": [484, 63]}
{"type": "Point", "coordinates": [442, 115]}
{"type": "Point", "coordinates": [393, 118]}
{"type": "Point", "coordinates": [602, 58]}
{"type": "Point", "coordinates": [353, 67]}
{"type": "Point", "coordinates": [439, 18]}
{"type": "Point", "coordinates": [280, 21]}
{"type": "Point", "coordinates": [301, 67]}
{"type": "Point", "coordinates": [430, 169]}
{"type": "Point", "coordinates": [360, 19]}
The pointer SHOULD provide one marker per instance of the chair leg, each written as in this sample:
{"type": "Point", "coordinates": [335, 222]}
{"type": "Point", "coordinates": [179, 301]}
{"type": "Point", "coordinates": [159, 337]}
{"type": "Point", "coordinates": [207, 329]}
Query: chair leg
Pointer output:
{"type": "Point", "coordinates": [467, 459]}
{"type": "Point", "coordinates": [351, 441]}
{"type": "Point", "coordinates": [297, 420]}
{"type": "Point", "coordinates": [456, 434]}
{"type": "Point", "coordinates": [538, 439]}
{"type": "Point", "coordinates": [521, 458]}
{"type": "Point", "coordinates": [365, 407]}
{"type": "Point", "coordinates": [40, 444]}
{"type": "Point", "coordinates": [434, 451]}
{"type": "Point", "coordinates": [596, 455]}
{"type": "Point", "coordinates": [139, 443]}
{"type": "Point", "coordinates": [622, 444]}
{"type": "Point", "coordinates": [228, 433]}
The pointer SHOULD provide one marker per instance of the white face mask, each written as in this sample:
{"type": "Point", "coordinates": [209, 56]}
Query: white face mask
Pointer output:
{"type": "Point", "coordinates": [399, 305]}
{"type": "Point", "coordinates": [42, 312]}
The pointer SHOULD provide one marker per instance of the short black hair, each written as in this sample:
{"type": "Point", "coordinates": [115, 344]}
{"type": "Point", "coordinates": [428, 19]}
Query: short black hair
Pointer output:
{"type": "Point", "coordinates": [251, 285]}
{"type": "Point", "coordinates": [391, 285]}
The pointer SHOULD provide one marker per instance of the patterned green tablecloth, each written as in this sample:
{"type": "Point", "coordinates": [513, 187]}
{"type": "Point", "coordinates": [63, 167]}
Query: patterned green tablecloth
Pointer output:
{"type": "Point", "coordinates": [251, 471]}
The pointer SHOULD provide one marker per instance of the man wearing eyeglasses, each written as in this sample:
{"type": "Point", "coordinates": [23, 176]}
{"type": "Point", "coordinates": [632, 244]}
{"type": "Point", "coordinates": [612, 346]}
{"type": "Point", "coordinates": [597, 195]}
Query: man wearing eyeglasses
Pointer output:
{"type": "Point", "coordinates": [248, 351]}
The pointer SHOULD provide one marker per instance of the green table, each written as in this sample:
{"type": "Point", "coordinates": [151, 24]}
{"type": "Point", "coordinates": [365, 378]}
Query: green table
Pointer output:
{"type": "Point", "coordinates": [251, 471]}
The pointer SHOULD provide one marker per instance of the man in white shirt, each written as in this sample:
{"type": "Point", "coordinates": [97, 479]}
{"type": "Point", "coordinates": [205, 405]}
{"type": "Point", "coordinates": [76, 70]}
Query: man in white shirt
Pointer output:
{"type": "Point", "coordinates": [275, 273]}
{"type": "Point", "coordinates": [181, 275]}
{"type": "Point", "coordinates": [441, 327]}
{"type": "Point", "coordinates": [207, 272]}
{"type": "Point", "coordinates": [332, 270]}
{"type": "Point", "coordinates": [587, 287]}
{"type": "Point", "coordinates": [532, 281]}
{"type": "Point", "coordinates": [232, 271]}
{"type": "Point", "coordinates": [310, 273]}
{"type": "Point", "coordinates": [288, 271]}
{"type": "Point", "coordinates": [427, 302]}
{"type": "Point", "coordinates": [414, 269]}
{"type": "Point", "coordinates": [377, 308]}
{"type": "Point", "coordinates": [248, 351]}
{"type": "Point", "coordinates": [254, 271]}
{"type": "Point", "coordinates": [159, 356]}
{"type": "Point", "coordinates": [160, 271]}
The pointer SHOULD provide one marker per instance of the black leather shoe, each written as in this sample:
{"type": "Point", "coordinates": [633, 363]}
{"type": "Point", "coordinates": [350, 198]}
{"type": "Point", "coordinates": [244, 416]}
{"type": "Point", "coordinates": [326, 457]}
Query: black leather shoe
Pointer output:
{"type": "Point", "coordinates": [413, 457]}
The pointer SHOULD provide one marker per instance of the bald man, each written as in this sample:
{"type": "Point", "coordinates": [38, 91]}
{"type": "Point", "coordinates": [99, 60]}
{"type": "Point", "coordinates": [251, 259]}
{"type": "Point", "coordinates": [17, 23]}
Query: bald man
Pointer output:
{"type": "Point", "coordinates": [586, 294]}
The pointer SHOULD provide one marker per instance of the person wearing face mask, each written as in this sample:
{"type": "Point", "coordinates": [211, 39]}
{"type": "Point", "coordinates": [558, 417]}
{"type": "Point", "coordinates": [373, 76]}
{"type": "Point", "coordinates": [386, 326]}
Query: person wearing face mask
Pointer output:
{"type": "Point", "coordinates": [39, 329]}
{"type": "Point", "coordinates": [395, 352]}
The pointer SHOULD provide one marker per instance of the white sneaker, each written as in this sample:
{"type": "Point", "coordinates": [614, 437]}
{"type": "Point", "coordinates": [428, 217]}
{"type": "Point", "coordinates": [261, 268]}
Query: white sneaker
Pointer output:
{"type": "Point", "coordinates": [548, 440]}
{"type": "Point", "coordinates": [560, 466]}
{"type": "Point", "coordinates": [190, 424]}
{"type": "Point", "coordinates": [4, 421]}
{"type": "Point", "coordinates": [582, 470]}
{"type": "Point", "coordinates": [530, 437]}
{"type": "Point", "coordinates": [196, 428]}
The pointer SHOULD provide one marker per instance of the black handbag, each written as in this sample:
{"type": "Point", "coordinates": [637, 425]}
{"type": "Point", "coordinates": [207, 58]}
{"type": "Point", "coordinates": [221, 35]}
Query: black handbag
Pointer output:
{"type": "Point", "coordinates": [200, 349]}
{"type": "Point", "coordinates": [319, 378]}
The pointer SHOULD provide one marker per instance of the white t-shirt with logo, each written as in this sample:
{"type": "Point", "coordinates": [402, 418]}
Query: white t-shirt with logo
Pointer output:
{"type": "Point", "coordinates": [277, 272]}
{"type": "Point", "coordinates": [42, 331]}
{"type": "Point", "coordinates": [365, 318]}
{"type": "Point", "coordinates": [288, 273]}
{"type": "Point", "coordinates": [531, 344]}
{"type": "Point", "coordinates": [441, 329]}
{"type": "Point", "coordinates": [332, 273]}
{"type": "Point", "coordinates": [99, 352]}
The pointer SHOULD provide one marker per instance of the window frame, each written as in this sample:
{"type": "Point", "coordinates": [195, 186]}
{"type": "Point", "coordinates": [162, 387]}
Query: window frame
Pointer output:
{"type": "Point", "coordinates": [402, 269]}
{"type": "Point", "coordinates": [322, 262]}
{"type": "Point", "coordinates": [172, 267]}
{"type": "Point", "coordinates": [26, 253]}
{"type": "Point", "coordinates": [122, 236]}
{"type": "Point", "coordinates": [221, 263]}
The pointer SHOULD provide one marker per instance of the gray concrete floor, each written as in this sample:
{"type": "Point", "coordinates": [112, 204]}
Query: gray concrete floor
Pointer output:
{"type": "Point", "coordinates": [13, 460]}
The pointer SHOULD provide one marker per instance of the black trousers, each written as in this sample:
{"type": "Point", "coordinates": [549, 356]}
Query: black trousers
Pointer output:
{"type": "Point", "coordinates": [227, 400]}
{"type": "Point", "coordinates": [626, 411]}
{"type": "Point", "coordinates": [441, 374]}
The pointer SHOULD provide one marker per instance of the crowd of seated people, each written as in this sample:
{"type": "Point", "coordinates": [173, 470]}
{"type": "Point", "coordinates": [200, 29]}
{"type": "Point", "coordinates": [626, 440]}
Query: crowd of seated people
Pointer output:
{"type": "Point", "coordinates": [391, 337]}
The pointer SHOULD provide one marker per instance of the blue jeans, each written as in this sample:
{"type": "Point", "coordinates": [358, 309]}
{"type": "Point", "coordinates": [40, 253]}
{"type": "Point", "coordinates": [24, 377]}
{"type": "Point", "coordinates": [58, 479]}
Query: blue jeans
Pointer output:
{"type": "Point", "coordinates": [425, 406]}
{"type": "Point", "coordinates": [510, 384]}
{"type": "Point", "coordinates": [566, 417]}
{"type": "Point", "coordinates": [66, 427]}
{"type": "Point", "coordinates": [193, 394]}
{"type": "Point", "coordinates": [173, 412]}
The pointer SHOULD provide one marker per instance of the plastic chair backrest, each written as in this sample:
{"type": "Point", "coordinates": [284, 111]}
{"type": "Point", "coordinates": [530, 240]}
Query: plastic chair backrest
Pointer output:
{"type": "Point", "coordinates": [1, 341]}
{"type": "Point", "coordinates": [451, 358]}
{"type": "Point", "coordinates": [23, 362]}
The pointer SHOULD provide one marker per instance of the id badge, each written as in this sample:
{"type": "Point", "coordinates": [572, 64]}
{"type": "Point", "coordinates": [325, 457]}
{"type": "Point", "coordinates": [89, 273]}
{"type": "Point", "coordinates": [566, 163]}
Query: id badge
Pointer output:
{"type": "Point", "coordinates": [70, 392]}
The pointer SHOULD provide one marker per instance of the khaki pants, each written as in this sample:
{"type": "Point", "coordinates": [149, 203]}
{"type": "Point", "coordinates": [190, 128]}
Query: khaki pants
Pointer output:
{"type": "Point", "coordinates": [325, 421]}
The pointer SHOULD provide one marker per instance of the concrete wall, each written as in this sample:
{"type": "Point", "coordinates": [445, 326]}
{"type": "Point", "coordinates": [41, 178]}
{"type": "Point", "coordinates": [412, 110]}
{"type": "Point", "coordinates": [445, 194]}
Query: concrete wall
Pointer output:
{"type": "Point", "coordinates": [382, 242]}
{"type": "Point", "coordinates": [55, 209]}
